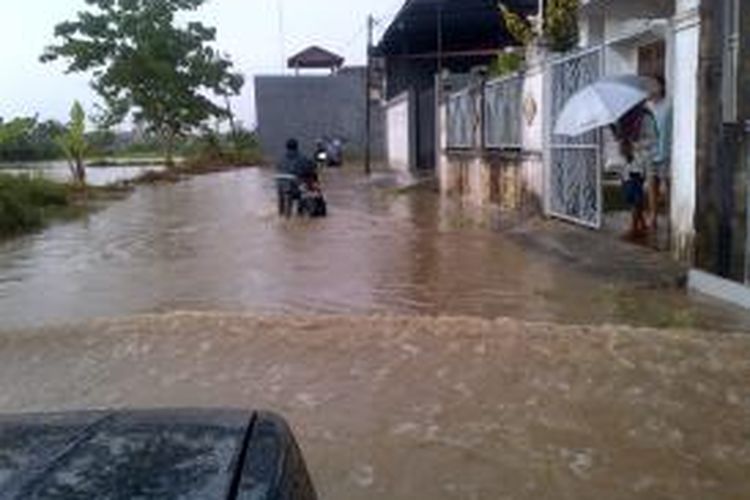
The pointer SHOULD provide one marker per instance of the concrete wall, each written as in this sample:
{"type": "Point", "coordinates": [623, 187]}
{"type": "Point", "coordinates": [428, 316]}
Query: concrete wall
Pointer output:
{"type": "Point", "coordinates": [491, 178]}
{"type": "Point", "coordinates": [510, 179]}
{"type": "Point", "coordinates": [684, 142]}
{"type": "Point", "coordinates": [309, 107]}
{"type": "Point", "coordinates": [397, 117]}
{"type": "Point", "coordinates": [533, 132]}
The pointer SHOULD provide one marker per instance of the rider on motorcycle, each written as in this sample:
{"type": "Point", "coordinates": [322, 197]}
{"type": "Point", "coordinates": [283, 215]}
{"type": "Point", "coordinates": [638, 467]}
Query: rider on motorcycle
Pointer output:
{"type": "Point", "coordinates": [293, 168]}
{"type": "Point", "coordinates": [288, 171]}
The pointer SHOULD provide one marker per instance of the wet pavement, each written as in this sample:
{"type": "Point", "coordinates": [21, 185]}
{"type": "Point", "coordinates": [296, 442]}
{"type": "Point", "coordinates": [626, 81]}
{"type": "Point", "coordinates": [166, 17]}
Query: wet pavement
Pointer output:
{"type": "Point", "coordinates": [215, 243]}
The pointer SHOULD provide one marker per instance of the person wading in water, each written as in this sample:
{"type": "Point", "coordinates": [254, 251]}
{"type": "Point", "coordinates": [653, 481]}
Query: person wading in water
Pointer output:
{"type": "Point", "coordinates": [290, 169]}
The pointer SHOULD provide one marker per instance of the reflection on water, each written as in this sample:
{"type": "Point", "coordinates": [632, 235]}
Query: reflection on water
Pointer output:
{"type": "Point", "coordinates": [95, 176]}
{"type": "Point", "coordinates": [214, 242]}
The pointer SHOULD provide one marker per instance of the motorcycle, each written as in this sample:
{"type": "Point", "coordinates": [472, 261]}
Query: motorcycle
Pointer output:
{"type": "Point", "coordinates": [311, 202]}
{"type": "Point", "coordinates": [329, 153]}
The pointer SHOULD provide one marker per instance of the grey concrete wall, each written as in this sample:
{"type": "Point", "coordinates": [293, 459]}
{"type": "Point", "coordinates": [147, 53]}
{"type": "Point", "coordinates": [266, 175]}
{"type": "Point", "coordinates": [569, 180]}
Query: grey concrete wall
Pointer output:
{"type": "Point", "coordinates": [309, 107]}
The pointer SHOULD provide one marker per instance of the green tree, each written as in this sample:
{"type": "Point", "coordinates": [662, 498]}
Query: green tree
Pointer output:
{"type": "Point", "coordinates": [145, 64]}
{"type": "Point", "coordinates": [73, 143]}
{"type": "Point", "coordinates": [561, 25]}
{"type": "Point", "coordinates": [559, 28]}
{"type": "Point", "coordinates": [27, 139]}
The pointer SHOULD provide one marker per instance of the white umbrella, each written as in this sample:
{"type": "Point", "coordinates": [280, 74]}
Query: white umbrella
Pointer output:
{"type": "Point", "coordinates": [602, 103]}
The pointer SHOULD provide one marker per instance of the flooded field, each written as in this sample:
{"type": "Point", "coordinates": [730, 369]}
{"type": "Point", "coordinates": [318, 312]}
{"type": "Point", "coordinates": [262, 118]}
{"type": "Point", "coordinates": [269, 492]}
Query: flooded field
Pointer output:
{"type": "Point", "coordinates": [95, 176]}
{"type": "Point", "coordinates": [215, 243]}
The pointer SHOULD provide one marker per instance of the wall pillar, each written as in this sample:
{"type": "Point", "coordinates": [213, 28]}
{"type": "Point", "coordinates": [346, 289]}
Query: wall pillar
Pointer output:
{"type": "Point", "coordinates": [684, 141]}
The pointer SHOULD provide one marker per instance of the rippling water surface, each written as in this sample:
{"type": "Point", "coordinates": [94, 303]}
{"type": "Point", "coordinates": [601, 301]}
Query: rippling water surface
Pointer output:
{"type": "Point", "coordinates": [214, 242]}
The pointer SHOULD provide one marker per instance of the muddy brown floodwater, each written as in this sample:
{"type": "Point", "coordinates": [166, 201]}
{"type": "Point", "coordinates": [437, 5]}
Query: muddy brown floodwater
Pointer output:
{"type": "Point", "coordinates": [215, 243]}
{"type": "Point", "coordinates": [408, 408]}
{"type": "Point", "coordinates": [418, 353]}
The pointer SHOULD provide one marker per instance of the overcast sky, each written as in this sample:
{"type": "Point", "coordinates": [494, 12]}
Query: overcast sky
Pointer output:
{"type": "Point", "coordinates": [249, 30]}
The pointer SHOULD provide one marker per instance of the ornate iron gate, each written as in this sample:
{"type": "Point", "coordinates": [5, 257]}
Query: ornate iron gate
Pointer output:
{"type": "Point", "coordinates": [574, 164]}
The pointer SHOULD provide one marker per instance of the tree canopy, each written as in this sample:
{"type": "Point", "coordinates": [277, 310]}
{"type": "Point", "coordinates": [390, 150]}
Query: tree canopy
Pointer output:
{"type": "Point", "coordinates": [146, 65]}
{"type": "Point", "coordinates": [28, 139]}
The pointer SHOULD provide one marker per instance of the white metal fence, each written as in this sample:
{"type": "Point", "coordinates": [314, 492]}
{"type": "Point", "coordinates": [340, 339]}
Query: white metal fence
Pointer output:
{"type": "Point", "coordinates": [461, 119]}
{"type": "Point", "coordinates": [503, 113]}
{"type": "Point", "coordinates": [493, 118]}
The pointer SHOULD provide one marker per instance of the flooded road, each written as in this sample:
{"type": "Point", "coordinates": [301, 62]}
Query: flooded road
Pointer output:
{"type": "Point", "coordinates": [411, 408]}
{"type": "Point", "coordinates": [333, 323]}
{"type": "Point", "coordinates": [215, 243]}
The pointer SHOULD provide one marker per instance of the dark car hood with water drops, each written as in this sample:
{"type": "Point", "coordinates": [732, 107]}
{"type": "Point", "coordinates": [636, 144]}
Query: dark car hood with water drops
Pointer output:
{"type": "Point", "coordinates": [165, 454]}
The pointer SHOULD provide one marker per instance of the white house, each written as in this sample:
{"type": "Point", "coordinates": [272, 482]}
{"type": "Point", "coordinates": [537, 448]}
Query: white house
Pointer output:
{"type": "Point", "coordinates": [496, 143]}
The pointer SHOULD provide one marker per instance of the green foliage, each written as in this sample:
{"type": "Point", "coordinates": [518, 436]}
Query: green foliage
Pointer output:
{"type": "Point", "coordinates": [102, 143]}
{"type": "Point", "coordinates": [24, 201]}
{"type": "Point", "coordinates": [517, 26]}
{"type": "Point", "coordinates": [507, 63]}
{"type": "Point", "coordinates": [215, 151]}
{"type": "Point", "coordinates": [144, 64]}
{"type": "Point", "coordinates": [27, 139]}
{"type": "Point", "coordinates": [561, 25]}
{"type": "Point", "coordinates": [74, 144]}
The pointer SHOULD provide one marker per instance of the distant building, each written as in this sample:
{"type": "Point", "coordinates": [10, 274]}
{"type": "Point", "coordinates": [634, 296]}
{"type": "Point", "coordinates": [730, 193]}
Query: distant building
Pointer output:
{"type": "Point", "coordinates": [315, 58]}
{"type": "Point", "coordinates": [310, 106]}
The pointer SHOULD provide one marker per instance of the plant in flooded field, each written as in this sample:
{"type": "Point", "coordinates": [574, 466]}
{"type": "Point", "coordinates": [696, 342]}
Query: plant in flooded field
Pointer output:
{"type": "Point", "coordinates": [74, 145]}
{"type": "Point", "coordinates": [147, 67]}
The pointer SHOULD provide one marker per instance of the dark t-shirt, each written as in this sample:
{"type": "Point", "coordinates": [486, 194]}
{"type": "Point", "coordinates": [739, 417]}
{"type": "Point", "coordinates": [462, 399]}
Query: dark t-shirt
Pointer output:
{"type": "Point", "coordinates": [296, 164]}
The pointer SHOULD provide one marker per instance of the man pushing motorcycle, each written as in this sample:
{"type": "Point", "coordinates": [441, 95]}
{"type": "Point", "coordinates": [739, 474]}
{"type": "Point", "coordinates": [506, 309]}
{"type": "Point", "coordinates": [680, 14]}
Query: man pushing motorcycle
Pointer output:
{"type": "Point", "coordinates": [293, 168]}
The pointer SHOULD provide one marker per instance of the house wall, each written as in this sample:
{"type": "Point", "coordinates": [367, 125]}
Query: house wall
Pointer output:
{"type": "Point", "coordinates": [309, 107]}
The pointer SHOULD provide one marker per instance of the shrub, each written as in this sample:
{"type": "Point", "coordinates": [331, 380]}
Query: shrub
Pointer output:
{"type": "Point", "coordinates": [24, 201]}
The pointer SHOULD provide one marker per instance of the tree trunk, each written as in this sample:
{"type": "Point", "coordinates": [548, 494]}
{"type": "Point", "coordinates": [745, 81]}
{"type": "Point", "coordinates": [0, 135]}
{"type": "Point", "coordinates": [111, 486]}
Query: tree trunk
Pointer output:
{"type": "Point", "coordinates": [170, 149]}
{"type": "Point", "coordinates": [77, 171]}
{"type": "Point", "coordinates": [80, 172]}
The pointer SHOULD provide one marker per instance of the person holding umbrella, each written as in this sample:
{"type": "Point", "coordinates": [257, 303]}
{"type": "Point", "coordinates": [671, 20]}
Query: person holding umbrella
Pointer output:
{"type": "Point", "coordinates": [636, 133]}
{"type": "Point", "coordinates": [618, 102]}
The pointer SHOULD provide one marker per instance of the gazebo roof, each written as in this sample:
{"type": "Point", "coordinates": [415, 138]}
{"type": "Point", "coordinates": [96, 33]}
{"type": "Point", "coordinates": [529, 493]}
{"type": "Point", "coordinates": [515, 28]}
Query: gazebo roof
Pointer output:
{"type": "Point", "coordinates": [315, 58]}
